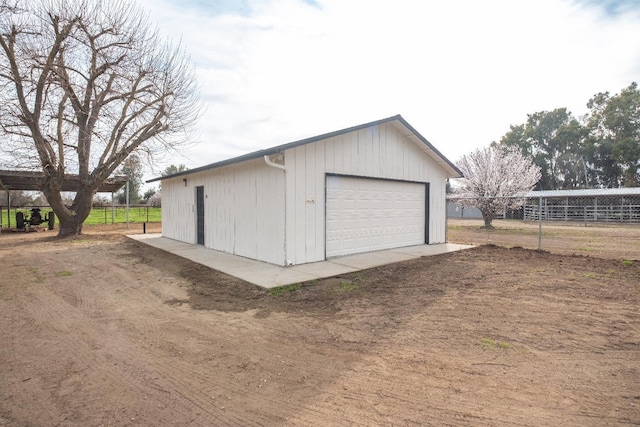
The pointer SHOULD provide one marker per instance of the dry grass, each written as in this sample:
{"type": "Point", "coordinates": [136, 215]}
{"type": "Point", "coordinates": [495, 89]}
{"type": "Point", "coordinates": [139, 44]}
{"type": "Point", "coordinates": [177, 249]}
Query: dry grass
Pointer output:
{"type": "Point", "coordinates": [614, 241]}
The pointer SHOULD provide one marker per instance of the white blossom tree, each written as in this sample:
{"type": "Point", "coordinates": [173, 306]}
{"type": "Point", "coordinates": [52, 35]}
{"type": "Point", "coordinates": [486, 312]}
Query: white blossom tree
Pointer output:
{"type": "Point", "coordinates": [492, 177]}
{"type": "Point", "coordinates": [85, 84]}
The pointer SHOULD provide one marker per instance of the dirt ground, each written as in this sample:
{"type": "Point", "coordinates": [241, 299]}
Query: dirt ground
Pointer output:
{"type": "Point", "coordinates": [102, 330]}
{"type": "Point", "coordinates": [602, 240]}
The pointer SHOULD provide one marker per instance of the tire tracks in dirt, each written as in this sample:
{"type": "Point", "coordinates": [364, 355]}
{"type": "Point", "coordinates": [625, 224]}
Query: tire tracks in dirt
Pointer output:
{"type": "Point", "coordinates": [417, 343]}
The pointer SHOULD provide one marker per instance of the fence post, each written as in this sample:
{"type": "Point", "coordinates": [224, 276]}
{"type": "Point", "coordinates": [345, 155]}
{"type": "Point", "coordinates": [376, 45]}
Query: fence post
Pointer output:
{"type": "Point", "coordinates": [540, 223]}
{"type": "Point", "coordinates": [127, 212]}
{"type": "Point", "coordinates": [8, 210]}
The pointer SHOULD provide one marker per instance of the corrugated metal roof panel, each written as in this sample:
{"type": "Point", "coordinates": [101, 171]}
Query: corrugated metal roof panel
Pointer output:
{"type": "Point", "coordinates": [590, 192]}
{"type": "Point", "coordinates": [34, 180]}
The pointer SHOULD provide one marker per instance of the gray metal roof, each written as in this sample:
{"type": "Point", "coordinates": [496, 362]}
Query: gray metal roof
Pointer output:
{"type": "Point", "coordinates": [33, 181]}
{"type": "Point", "coordinates": [409, 132]}
{"type": "Point", "coordinates": [590, 192]}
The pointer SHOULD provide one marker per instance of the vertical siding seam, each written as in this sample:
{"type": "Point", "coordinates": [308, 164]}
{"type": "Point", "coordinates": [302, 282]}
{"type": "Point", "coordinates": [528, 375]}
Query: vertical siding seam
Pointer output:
{"type": "Point", "coordinates": [284, 229]}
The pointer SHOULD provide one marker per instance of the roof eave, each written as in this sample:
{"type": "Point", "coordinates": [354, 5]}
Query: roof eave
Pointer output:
{"type": "Point", "coordinates": [435, 154]}
{"type": "Point", "coordinates": [446, 164]}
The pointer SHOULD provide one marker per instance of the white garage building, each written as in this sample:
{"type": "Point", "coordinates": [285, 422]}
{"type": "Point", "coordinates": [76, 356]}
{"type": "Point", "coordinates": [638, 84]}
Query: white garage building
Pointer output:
{"type": "Point", "coordinates": [376, 186]}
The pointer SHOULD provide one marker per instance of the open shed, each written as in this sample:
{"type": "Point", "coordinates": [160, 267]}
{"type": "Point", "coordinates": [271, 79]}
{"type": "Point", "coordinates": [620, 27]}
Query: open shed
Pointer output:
{"type": "Point", "coordinates": [586, 205]}
{"type": "Point", "coordinates": [375, 186]}
{"type": "Point", "coordinates": [34, 180]}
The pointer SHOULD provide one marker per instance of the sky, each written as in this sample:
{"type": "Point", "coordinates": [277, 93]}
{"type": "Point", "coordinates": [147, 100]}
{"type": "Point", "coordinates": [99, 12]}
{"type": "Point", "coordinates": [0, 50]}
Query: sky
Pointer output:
{"type": "Point", "coordinates": [460, 72]}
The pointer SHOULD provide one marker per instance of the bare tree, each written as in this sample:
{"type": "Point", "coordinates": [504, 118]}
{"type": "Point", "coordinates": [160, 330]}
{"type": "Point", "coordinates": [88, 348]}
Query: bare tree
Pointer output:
{"type": "Point", "coordinates": [83, 85]}
{"type": "Point", "coordinates": [16, 198]}
{"type": "Point", "coordinates": [155, 200]}
{"type": "Point", "coordinates": [492, 177]}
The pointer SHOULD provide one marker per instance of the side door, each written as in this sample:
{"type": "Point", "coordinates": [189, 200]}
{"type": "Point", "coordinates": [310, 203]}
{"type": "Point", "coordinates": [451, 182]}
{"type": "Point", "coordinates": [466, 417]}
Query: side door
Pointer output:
{"type": "Point", "coordinates": [200, 214]}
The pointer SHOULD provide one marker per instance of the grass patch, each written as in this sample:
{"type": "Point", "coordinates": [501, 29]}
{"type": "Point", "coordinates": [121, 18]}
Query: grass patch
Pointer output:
{"type": "Point", "coordinates": [100, 215]}
{"type": "Point", "coordinates": [490, 343]}
{"type": "Point", "coordinates": [347, 286]}
{"type": "Point", "coordinates": [627, 262]}
{"type": "Point", "coordinates": [281, 290]}
{"type": "Point", "coordinates": [81, 239]}
{"type": "Point", "coordinates": [37, 276]}
{"type": "Point", "coordinates": [350, 285]}
{"type": "Point", "coordinates": [105, 215]}
{"type": "Point", "coordinates": [591, 275]}
{"type": "Point", "coordinates": [64, 273]}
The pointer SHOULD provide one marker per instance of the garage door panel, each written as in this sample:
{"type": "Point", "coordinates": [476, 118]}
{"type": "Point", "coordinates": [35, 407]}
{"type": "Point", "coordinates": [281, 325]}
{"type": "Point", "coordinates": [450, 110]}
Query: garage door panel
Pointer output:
{"type": "Point", "coordinates": [368, 214]}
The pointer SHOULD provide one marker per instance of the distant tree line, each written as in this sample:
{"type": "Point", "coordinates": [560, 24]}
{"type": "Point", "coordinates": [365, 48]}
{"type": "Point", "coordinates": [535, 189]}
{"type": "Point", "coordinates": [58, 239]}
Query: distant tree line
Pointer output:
{"type": "Point", "coordinates": [19, 198]}
{"type": "Point", "coordinates": [133, 169]}
{"type": "Point", "coordinates": [599, 150]}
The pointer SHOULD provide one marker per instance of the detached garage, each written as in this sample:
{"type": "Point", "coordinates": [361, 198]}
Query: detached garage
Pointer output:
{"type": "Point", "coordinates": [376, 186]}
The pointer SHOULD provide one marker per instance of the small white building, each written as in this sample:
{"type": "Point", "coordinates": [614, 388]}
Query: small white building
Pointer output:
{"type": "Point", "coordinates": [376, 186]}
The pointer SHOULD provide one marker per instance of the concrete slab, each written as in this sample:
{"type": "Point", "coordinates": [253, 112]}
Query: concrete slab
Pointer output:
{"type": "Point", "coordinates": [323, 269]}
{"type": "Point", "coordinates": [271, 276]}
{"type": "Point", "coordinates": [370, 259]}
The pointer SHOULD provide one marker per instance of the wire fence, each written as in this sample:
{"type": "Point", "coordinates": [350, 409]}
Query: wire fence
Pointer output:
{"type": "Point", "coordinates": [117, 214]}
{"type": "Point", "coordinates": [603, 226]}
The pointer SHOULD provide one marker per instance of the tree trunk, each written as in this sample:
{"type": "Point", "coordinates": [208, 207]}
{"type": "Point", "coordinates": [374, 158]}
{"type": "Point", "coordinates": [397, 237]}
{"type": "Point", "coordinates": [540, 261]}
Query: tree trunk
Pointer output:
{"type": "Point", "coordinates": [488, 218]}
{"type": "Point", "coordinates": [70, 227]}
{"type": "Point", "coordinates": [70, 219]}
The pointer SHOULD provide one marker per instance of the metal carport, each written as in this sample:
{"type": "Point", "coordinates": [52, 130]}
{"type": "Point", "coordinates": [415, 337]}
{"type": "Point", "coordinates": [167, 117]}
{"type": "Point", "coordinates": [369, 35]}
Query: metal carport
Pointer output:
{"type": "Point", "coordinates": [34, 180]}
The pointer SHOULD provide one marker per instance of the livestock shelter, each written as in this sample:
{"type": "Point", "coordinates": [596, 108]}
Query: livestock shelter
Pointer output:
{"type": "Point", "coordinates": [586, 205]}
{"type": "Point", "coordinates": [375, 186]}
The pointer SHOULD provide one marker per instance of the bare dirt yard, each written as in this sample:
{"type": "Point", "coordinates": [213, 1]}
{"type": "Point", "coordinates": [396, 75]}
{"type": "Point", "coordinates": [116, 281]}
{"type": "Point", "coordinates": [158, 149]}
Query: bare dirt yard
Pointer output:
{"type": "Point", "coordinates": [103, 330]}
{"type": "Point", "coordinates": [603, 240]}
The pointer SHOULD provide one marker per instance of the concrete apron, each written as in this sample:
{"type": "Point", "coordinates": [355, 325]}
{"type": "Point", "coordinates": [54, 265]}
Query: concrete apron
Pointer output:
{"type": "Point", "coordinates": [271, 276]}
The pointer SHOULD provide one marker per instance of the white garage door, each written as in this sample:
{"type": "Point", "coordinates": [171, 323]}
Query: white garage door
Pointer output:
{"type": "Point", "coordinates": [371, 214]}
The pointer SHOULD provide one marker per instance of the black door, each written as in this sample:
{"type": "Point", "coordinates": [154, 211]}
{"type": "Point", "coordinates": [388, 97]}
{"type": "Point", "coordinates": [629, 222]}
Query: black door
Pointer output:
{"type": "Point", "coordinates": [427, 196]}
{"type": "Point", "coordinates": [200, 214]}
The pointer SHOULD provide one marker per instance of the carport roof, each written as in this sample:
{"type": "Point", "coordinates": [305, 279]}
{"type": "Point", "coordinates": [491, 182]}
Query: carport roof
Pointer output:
{"type": "Point", "coordinates": [33, 181]}
{"type": "Point", "coordinates": [589, 192]}
{"type": "Point", "coordinates": [407, 131]}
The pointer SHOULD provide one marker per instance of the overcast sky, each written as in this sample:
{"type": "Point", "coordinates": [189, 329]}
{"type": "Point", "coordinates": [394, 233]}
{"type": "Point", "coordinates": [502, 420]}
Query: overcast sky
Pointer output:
{"type": "Point", "coordinates": [460, 72]}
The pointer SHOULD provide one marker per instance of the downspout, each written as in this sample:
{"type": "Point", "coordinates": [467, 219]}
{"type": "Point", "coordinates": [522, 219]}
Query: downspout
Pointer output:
{"type": "Point", "coordinates": [268, 161]}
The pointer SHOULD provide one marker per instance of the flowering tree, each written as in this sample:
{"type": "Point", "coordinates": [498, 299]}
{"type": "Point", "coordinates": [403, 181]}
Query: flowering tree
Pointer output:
{"type": "Point", "coordinates": [84, 85]}
{"type": "Point", "coordinates": [492, 177]}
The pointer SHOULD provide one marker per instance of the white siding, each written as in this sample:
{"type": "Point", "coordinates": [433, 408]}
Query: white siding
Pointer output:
{"type": "Point", "coordinates": [244, 210]}
{"type": "Point", "coordinates": [379, 152]}
{"type": "Point", "coordinates": [262, 212]}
